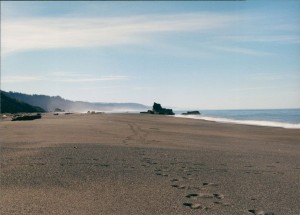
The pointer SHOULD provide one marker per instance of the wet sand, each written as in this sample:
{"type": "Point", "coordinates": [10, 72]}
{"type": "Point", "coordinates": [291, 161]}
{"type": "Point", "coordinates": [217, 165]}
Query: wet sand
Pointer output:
{"type": "Point", "coordinates": [146, 164]}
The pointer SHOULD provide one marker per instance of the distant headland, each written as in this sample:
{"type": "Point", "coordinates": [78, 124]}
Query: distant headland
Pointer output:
{"type": "Point", "coordinates": [15, 102]}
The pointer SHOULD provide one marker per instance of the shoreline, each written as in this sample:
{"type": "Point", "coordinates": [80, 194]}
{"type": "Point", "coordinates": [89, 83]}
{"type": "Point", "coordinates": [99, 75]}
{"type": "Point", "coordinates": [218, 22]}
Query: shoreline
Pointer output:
{"type": "Point", "coordinates": [146, 164]}
{"type": "Point", "coordinates": [244, 122]}
{"type": "Point", "coordinates": [260, 123]}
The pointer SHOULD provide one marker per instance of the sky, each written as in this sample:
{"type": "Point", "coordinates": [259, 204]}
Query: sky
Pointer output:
{"type": "Point", "coordinates": [194, 54]}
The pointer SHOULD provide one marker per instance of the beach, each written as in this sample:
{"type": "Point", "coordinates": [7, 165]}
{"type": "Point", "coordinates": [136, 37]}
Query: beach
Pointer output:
{"type": "Point", "coordinates": [147, 164]}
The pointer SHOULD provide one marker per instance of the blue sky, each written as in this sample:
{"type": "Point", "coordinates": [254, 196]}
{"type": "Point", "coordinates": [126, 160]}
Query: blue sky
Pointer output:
{"type": "Point", "coordinates": [204, 55]}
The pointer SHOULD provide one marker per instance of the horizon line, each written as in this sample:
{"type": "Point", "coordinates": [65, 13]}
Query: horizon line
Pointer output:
{"type": "Point", "coordinates": [166, 106]}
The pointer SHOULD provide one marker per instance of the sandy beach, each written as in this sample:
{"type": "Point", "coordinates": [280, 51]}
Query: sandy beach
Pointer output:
{"type": "Point", "coordinates": [147, 164]}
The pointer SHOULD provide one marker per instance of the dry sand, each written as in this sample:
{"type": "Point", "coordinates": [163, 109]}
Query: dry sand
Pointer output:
{"type": "Point", "coordinates": [145, 164]}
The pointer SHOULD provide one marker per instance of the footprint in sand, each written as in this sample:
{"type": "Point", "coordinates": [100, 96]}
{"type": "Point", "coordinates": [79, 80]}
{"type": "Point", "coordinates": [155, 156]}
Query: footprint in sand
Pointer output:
{"type": "Point", "coordinates": [148, 161]}
{"type": "Point", "coordinates": [161, 174]}
{"type": "Point", "coordinates": [195, 206]}
{"type": "Point", "coordinates": [187, 178]}
{"type": "Point", "coordinates": [209, 184]}
{"type": "Point", "coordinates": [151, 162]}
{"type": "Point", "coordinates": [206, 195]}
{"type": "Point", "coordinates": [211, 195]}
{"type": "Point", "coordinates": [218, 196]}
{"type": "Point", "coordinates": [222, 203]}
{"type": "Point", "coordinates": [193, 188]}
{"type": "Point", "coordinates": [200, 164]}
{"type": "Point", "coordinates": [222, 170]}
{"type": "Point", "coordinates": [178, 186]}
{"type": "Point", "coordinates": [191, 195]}
{"type": "Point", "coordinates": [255, 212]}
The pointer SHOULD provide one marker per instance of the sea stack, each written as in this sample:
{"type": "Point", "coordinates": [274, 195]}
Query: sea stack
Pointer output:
{"type": "Point", "coordinates": [195, 112]}
{"type": "Point", "coordinates": [158, 109]}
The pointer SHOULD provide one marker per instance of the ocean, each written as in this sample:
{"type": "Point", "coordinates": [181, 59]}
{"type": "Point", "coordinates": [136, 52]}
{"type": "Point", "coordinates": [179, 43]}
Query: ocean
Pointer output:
{"type": "Point", "coordinates": [285, 118]}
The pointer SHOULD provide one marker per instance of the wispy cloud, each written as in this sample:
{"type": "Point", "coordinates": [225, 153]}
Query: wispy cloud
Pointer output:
{"type": "Point", "coordinates": [100, 87]}
{"type": "Point", "coordinates": [78, 78]}
{"type": "Point", "coordinates": [271, 76]}
{"type": "Point", "coordinates": [20, 79]}
{"type": "Point", "coordinates": [252, 89]}
{"type": "Point", "coordinates": [244, 51]}
{"type": "Point", "coordinates": [265, 38]}
{"type": "Point", "coordinates": [95, 79]}
{"type": "Point", "coordinates": [26, 34]}
{"type": "Point", "coordinates": [51, 33]}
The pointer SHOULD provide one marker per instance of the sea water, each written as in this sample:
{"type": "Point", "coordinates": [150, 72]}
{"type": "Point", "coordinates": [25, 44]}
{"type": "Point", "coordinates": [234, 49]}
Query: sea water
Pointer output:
{"type": "Point", "coordinates": [285, 118]}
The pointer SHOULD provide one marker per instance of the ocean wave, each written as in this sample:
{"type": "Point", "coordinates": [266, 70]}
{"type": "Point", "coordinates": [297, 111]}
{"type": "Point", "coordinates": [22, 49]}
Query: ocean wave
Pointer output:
{"type": "Point", "coordinates": [245, 122]}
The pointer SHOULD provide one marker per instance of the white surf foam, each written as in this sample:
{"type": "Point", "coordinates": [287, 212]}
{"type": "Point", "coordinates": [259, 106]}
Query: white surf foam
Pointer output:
{"type": "Point", "coordinates": [245, 122]}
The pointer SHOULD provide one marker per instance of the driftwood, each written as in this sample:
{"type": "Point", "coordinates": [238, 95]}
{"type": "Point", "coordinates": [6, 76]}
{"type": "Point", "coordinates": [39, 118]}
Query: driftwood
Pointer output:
{"type": "Point", "coordinates": [26, 117]}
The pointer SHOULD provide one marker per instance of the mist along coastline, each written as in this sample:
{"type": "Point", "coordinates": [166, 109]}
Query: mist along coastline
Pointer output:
{"type": "Point", "coordinates": [149, 164]}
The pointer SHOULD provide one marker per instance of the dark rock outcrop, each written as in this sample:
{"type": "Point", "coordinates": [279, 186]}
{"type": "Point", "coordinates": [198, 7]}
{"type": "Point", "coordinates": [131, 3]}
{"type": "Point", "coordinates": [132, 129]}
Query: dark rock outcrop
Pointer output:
{"type": "Point", "coordinates": [26, 117]}
{"type": "Point", "coordinates": [158, 109]}
{"type": "Point", "coordinates": [195, 112]}
{"type": "Point", "coordinates": [59, 110]}
{"type": "Point", "coordinates": [147, 112]}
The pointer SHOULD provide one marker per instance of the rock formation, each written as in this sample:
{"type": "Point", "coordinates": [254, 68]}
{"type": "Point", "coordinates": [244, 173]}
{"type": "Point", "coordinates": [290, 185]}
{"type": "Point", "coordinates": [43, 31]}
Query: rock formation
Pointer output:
{"type": "Point", "coordinates": [148, 112]}
{"type": "Point", "coordinates": [59, 110]}
{"type": "Point", "coordinates": [158, 109]}
{"type": "Point", "coordinates": [195, 112]}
